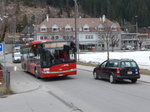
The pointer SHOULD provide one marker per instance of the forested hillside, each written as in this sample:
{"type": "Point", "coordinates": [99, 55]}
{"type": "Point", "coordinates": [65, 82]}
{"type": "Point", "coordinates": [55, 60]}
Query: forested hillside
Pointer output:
{"type": "Point", "coordinates": [118, 10]}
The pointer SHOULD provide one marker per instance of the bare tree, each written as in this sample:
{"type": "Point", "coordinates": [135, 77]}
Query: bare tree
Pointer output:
{"type": "Point", "coordinates": [3, 21]}
{"type": "Point", "coordinates": [114, 41]}
{"type": "Point", "coordinates": [140, 41]}
{"type": "Point", "coordinates": [110, 39]}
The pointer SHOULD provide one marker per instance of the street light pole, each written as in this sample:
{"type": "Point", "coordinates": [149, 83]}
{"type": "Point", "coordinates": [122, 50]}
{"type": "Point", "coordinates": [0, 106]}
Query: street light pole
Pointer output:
{"type": "Point", "coordinates": [76, 28]}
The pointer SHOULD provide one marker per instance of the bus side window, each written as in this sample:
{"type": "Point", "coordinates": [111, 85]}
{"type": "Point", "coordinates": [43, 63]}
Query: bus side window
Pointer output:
{"type": "Point", "coordinates": [66, 55]}
{"type": "Point", "coordinates": [63, 55]}
{"type": "Point", "coordinates": [34, 50]}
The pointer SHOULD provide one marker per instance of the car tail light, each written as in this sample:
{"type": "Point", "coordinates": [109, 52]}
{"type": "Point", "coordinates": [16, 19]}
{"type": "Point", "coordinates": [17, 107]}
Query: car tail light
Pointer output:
{"type": "Point", "coordinates": [137, 71]}
{"type": "Point", "coordinates": [118, 71]}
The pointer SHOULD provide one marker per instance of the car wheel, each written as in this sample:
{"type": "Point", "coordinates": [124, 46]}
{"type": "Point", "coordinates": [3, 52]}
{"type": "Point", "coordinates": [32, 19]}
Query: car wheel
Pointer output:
{"type": "Point", "coordinates": [95, 75]}
{"type": "Point", "coordinates": [134, 80]}
{"type": "Point", "coordinates": [111, 79]}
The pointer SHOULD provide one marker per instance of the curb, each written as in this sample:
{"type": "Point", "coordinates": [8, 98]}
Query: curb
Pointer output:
{"type": "Point", "coordinates": [27, 91]}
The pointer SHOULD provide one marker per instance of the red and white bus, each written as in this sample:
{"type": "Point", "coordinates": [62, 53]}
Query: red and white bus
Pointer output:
{"type": "Point", "coordinates": [48, 58]}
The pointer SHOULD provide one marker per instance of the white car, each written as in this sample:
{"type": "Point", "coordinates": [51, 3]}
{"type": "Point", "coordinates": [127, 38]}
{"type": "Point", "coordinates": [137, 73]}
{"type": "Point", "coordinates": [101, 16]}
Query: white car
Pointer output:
{"type": "Point", "coordinates": [16, 57]}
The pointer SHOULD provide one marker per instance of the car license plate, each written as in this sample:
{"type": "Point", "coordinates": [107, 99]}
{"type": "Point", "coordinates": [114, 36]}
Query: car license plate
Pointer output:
{"type": "Point", "coordinates": [129, 73]}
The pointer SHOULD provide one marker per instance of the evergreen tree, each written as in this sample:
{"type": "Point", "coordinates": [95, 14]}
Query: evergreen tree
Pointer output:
{"type": "Point", "coordinates": [113, 9]}
{"type": "Point", "coordinates": [24, 21]}
{"type": "Point", "coordinates": [17, 8]}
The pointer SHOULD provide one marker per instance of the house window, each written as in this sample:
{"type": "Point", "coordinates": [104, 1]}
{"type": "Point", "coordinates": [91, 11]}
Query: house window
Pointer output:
{"type": "Point", "coordinates": [89, 37]}
{"type": "Point", "coordinates": [114, 27]}
{"type": "Point", "coordinates": [68, 29]}
{"type": "Point", "coordinates": [85, 27]}
{"type": "Point", "coordinates": [66, 37]}
{"type": "Point", "coordinates": [55, 30]}
{"type": "Point", "coordinates": [45, 37]}
{"type": "Point", "coordinates": [41, 38]}
{"type": "Point", "coordinates": [43, 29]}
{"type": "Point", "coordinates": [55, 37]}
{"type": "Point", "coordinates": [52, 37]}
{"type": "Point", "coordinates": [100, 27]}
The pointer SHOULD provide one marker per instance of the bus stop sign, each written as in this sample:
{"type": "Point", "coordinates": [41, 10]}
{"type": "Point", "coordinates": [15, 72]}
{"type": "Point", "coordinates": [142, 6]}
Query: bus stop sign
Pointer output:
{"type": "Point", "coordinates": [1, 47]}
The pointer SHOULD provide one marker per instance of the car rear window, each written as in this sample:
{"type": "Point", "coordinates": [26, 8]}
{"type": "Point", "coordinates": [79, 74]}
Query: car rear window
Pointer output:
{"type": "Point", "coordinates": [113, 64]}
{"type": "Point", "coordinates": [128, 64]}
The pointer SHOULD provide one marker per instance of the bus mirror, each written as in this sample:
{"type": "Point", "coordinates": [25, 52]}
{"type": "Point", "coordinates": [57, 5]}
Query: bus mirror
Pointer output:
{"type": "Point", "coordinates": [74, 49]}
{"type": "Point", "coordinates": [66, 48]}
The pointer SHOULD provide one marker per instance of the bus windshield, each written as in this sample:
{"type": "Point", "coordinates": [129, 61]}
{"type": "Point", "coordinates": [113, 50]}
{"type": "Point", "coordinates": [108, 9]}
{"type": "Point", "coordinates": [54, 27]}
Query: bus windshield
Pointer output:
{"type": "Point", "coordinates": [56, 56]}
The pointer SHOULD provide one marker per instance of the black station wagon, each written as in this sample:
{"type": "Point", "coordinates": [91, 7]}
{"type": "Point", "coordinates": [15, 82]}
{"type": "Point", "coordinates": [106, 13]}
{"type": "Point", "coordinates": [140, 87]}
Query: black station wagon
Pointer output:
{"type": "Point", "coordinates": [117, 69]}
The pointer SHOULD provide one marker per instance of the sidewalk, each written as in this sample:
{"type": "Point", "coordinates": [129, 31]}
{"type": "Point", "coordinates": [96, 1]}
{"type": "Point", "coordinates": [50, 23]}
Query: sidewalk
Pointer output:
{"type": "Point", "coordinates": [144, 78]}
{"type": "Point", "coordinates": [30, 96]}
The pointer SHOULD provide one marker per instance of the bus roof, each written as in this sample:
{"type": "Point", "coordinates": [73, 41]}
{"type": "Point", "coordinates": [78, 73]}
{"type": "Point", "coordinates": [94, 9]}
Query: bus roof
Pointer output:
{"type": "Point", "coordinates": [38, 42]}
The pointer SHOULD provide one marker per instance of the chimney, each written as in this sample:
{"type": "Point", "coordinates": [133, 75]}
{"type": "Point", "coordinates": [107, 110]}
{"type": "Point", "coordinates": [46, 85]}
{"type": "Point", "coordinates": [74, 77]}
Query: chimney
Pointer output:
{"type": "Point", "coordinates": [47, 18]}
{"type": "Point", "coordinates": [104, 18]}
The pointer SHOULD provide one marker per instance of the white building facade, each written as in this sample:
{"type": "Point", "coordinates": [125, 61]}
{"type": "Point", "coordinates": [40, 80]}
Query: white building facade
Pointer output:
{"type": "Point", "coordinates": [91, 32]}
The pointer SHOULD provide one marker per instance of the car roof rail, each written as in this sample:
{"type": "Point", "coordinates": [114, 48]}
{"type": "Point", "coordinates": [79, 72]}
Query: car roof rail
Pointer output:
{"type": "Point", "coordinates": [127, 59]}
{"type": "Point", "coordinates": [114, 59]}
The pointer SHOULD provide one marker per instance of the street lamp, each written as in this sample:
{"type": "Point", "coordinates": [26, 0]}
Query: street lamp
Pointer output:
{"type": "Point", "coordinates": [76, 28]}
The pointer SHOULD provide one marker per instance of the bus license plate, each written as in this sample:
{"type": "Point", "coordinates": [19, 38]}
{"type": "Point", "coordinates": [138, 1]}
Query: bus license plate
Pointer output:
{"type": "Point", "coordinates": [129, 73]}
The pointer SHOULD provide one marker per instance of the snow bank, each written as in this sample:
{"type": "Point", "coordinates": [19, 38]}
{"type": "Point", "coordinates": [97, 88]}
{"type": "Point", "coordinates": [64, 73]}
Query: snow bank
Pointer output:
{"type": "Point", "coordinates": [141, 57]}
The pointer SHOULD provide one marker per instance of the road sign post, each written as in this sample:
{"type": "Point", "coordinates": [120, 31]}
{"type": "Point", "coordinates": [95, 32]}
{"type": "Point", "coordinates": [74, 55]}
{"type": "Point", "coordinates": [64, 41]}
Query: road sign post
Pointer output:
{"type": "Point", "coordinates": [1, 47]}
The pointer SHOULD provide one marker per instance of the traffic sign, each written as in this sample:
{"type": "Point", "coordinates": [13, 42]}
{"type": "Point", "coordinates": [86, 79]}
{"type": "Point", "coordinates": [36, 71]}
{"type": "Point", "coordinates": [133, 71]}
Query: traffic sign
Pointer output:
{"type": "Point", "coordinates": [1, 47]}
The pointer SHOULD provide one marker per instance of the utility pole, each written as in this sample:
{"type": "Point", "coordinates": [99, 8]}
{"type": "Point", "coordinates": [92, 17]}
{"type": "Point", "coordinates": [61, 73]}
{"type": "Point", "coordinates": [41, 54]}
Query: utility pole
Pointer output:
{"type": "Point", "coordinates": [76, 28]}
{"type": "Point", "coordinates": [35, 28]}
{"type": "Point", "coordinates": [136, 18]}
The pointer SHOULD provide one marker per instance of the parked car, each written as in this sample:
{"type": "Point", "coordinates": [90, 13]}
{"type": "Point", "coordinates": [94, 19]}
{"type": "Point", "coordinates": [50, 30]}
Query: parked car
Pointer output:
{"type": "Point", "coordinates": [117, 69]}
{"type": "Point", "coordinates": [127, 47]}
{"type": "Point", "coordinates": [16, 57]}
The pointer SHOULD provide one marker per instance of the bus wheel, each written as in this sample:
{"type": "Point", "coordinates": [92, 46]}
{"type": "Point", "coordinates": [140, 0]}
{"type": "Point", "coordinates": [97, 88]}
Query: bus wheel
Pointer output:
{"type": "Point", "coordinates": [36, 74]}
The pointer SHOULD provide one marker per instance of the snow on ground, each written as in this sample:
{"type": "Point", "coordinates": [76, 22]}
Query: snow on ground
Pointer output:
{"type": "Point", "coordinates": [141, 57]}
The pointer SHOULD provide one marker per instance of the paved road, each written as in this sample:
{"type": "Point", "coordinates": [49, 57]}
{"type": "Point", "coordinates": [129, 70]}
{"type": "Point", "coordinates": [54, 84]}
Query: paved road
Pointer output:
{"type": "Point", "coordinates": [87, 94]}
{"type": "Point", "coordinates": [83, 93]}
{"type": "Point", "coordinates": [100, 95]}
